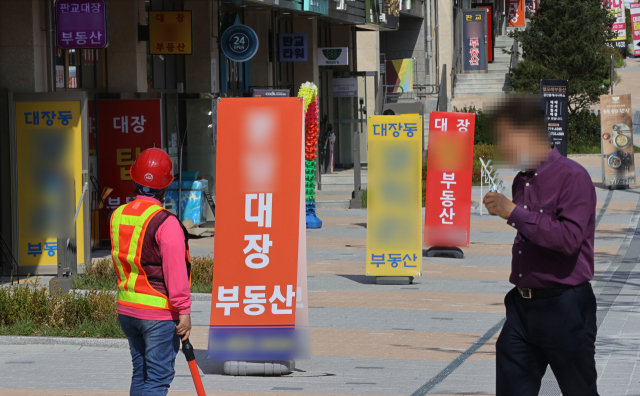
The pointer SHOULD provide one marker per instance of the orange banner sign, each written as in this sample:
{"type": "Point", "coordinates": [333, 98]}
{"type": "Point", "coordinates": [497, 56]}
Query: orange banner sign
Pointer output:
{"type": "Point", "coordinates": [515, 11]}
{"type": "Point", "coordinates": [259, 245]}
{"type": "Point", "coordinates": [447, 217]}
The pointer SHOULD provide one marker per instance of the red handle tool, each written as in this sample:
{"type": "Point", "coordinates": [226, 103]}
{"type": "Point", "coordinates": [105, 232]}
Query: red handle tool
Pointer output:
{"type": "Point", "coordinates": [187, 349]}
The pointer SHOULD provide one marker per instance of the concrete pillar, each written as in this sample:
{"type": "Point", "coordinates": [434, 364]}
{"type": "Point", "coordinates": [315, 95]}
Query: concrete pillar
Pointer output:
{"type": "Point", "coordinates": [342, 36]}
{"type": "Point", "coordinates": [23, 45]}
{"type": "Point", "coordinates": [200, 73]}
{"type": "Point", "coordinates": [260, 22]}
{"type": "Point", "coordinates": [368, 55]}
{"type": "Point", "coordinates": [445, 39]}
{"type": "Point", "coordinates": [307, 71]}
{"type": "Point", "coordinates": [127, 57]}
{"type": "Point", "coordinates": [23, 68]}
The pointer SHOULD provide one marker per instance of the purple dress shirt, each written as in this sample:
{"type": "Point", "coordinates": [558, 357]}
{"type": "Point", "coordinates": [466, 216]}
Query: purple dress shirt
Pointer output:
{"type": "Point", "coordinates": [555, 216]}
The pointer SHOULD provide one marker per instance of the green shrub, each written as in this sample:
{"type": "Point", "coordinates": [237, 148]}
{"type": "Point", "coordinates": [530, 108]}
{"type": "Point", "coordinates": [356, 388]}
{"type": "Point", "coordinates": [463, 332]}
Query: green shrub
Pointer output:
{"type": "Point", "coordinates": [27, 309]}
{"type": "Point", "coordinates": [584, 133]}
{"type": "Point", "coordinates": [364, 199]}
{"type": "Point", "coordinates": [484, 151]}
{"type": "Point", "coordinates": [101, 275]}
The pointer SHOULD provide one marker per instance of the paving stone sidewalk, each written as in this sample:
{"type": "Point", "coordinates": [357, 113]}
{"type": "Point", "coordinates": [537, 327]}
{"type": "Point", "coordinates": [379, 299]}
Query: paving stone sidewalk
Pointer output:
{"type": "Point", "coordinates": [436, 336]}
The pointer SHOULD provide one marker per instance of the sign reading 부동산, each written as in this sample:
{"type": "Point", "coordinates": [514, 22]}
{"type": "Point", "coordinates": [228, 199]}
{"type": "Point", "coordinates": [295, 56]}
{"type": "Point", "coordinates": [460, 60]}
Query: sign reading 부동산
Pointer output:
{"type": "Point", "coordinates": [81, 24]}
{"type": "Point", "coordinates": [474, 47]}
{"type": "Point", "coordinates": [618, 168]}
{"type": "Point", "coordinates": [170, 33]}
{"type": "Point", "coordinates": [447, 217]}
{"type": "Point", "coordinates": [635, 27]}
{"type": "Point", "coordinates": [556, 108]}
{"type": "Point", "coordinates": [259, 284]}
{"type": "Point", "coordinates": [395, 200]}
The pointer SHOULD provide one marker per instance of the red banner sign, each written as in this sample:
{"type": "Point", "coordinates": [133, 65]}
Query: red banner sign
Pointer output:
{"type": "Point", "coordinates": [449, 173]}
{"type": "Point", "coordinates": [515, 12]}
{"type": "Point", "coordinates": [260, 228]}
{"type": "Point", "coordinates": [125, 128]}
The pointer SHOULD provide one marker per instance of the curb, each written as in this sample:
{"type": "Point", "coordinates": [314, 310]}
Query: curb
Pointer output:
{"type": "Point", "coordinates": [121, 343]}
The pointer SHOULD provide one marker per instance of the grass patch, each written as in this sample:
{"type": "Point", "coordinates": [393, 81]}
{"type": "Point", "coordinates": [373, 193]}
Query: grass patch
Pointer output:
{"type": "Point", "coordinates": [101, 275]}
{"type": "Point", "coordinates": [30, 310]}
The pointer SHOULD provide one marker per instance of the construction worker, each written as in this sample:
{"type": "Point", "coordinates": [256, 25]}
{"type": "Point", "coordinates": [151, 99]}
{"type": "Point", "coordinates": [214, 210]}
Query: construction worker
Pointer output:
{"type": "Point", "coordinates": [151, 255]}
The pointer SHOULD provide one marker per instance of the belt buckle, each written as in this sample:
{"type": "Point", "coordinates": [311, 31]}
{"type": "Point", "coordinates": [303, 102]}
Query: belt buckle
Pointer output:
{"type": "Point", "coordinates": [525, 293]}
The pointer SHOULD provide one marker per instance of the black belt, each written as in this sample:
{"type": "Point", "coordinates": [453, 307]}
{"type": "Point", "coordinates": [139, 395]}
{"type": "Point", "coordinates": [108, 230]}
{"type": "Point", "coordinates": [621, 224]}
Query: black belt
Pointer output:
{"type": "Point", "coordinates": [543, 293]}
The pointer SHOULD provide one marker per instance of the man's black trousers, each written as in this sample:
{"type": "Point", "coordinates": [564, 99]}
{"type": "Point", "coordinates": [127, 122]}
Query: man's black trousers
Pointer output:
{"type": "Point", "coordinates": [557, 331]}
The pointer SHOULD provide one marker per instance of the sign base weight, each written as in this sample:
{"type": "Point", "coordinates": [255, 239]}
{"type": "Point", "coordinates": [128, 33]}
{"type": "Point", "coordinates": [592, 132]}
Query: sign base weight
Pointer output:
{"type": "Point", "coordinates": [394, 280]}
{"type": "Point", "coordinates": [236, 368]}
{"type": "Point", "coordinates": [443, 251]}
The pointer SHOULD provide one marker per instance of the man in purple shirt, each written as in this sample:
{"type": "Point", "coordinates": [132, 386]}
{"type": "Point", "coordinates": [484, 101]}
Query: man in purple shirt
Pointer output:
{"type": "Point", "coordinates": [551, 313]}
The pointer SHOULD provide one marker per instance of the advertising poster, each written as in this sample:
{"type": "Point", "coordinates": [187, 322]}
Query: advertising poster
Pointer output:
{"type": "Point", "coordinates": [618, 168]}
{"type": "Point", "coordinates": [170, 33]}
{"type": "Point", "coordinates": [259, 282]}
{"type": "Point", "coordinates": [49, 170]}
{"type": "Point", "coordinates": [635, 27]}
{"type": "Point", "coordinates": [447, 218]}
{"type": "Point", "coordinates": [394, 203]}
{"type": "Point", "coordinates": [556, 107]}
{"type": "Point", "coordinates": [617, 8]}
{"type": "Point", "coordinates": [126, 128]}
{"type": "Point", "coordinates": [399, 75]}
{"type": "Point", "coordinates": [474, 48]}
{"type": "Point", "coordinates": [515, 11]}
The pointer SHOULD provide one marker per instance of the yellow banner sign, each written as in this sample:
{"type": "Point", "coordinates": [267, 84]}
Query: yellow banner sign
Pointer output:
{"type": "Point", "coordinates": [170, 33]}
{"type": "Point", "coordinates": [48, 160]}
{"type": "Point", "coordinates": [394, 199]}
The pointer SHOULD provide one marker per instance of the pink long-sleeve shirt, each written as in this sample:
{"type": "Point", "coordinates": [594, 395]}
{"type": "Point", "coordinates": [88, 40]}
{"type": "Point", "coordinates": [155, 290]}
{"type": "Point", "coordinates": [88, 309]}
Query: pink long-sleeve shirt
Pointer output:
{"type": "Point", "coordinates": [170, 238]}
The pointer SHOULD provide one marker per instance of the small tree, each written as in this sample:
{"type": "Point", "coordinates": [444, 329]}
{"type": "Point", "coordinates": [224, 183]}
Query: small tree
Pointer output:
{"type": "Point", "coordinates": [566, 40]}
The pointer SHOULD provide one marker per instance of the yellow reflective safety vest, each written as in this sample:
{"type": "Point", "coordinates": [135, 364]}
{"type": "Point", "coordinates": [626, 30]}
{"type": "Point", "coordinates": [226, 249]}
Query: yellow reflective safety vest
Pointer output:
{"type": "Point", "coordinates": [136, 255]}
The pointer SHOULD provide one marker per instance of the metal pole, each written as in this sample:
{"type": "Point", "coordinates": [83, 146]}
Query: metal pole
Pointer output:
{"type": "Point", "coordinates": [612, 71]}
{"type": "Point", "coordinates": [356, 197]}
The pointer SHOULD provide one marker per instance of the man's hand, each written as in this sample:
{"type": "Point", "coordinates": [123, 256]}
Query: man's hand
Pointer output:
{"type": "Point", "coordinates": [498, 204]}
{"type": "Point", "coordinates": [183, 328]}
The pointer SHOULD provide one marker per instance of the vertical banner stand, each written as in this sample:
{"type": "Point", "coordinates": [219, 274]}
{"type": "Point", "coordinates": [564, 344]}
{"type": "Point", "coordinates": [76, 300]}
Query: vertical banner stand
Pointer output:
{"type": "Point", "coordinates": [448, 185]}
{"type": "Point", "coordinates": [394, 204]}
{"type": "Point", "coordinates": [259, 315]}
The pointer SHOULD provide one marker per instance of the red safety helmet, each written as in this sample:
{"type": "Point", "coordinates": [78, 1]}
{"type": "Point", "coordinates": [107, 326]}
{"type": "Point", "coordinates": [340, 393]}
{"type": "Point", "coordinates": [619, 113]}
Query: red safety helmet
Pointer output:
{"type": "Point", "coordinates": [153, 169]}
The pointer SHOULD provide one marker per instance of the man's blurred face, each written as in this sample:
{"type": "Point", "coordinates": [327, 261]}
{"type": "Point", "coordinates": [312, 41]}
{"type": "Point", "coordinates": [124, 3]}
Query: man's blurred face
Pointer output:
{"type": "Point", "coordinates": [522, 147]}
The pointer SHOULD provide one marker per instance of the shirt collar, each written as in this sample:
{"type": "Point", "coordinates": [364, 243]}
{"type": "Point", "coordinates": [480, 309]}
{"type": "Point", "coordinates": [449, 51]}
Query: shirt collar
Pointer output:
{"type": "Point", "coordinates": [553, 156]}
{"type": "Point", "coordinates": [143, 198]}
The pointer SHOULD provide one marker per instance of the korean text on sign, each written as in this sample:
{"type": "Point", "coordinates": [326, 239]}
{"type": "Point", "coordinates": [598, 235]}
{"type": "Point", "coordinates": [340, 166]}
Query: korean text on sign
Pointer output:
{"type": "Point", "coordinates": [393, 217]}
{"type": "Point", "coordinates": [449, 171]}
{"type": "Point", "coordinates": [170, 33]}
{"type": "Point", "coordinates": [256, 289]}
{"type": "Point", "coordinates": [81, 24]}
{"type": "Point", "coordinates": [293, 47]}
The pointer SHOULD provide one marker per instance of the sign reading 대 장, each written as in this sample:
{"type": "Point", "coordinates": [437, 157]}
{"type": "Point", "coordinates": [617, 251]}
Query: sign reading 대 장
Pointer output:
{"type": "Point", "coordinates": [449, 173]}
{"type": "Point", "coordinates": [618, 168]}
{"type": "Point", "coordinates": [555, 97]}
{"type": "Point", "coordinates": [258, 293]}
{"type": "Point", "coordinates": [81, 24]}
{"type": "Point", "coordinates": [126, 128]}
{"type": "Point", "coordinates": [170, 33]}
{"type": "Point", "coordinates": [394, 206]}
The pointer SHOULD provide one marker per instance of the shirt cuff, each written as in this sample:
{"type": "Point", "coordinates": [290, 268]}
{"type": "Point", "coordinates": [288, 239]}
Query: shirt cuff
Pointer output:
{"type": "Point", "coordinates": [518, 217]}
{"type": "Point", "coordinates": [185, 311]}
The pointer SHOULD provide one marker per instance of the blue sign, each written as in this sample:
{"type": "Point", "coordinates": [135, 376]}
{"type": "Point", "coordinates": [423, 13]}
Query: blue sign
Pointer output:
{"type": "Point", "coordinates": [239, 43]}
{"type": "Point", "coordinates": [293, 47]}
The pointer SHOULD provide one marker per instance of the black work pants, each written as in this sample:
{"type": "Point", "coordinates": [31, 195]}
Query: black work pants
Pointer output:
{"type": "Point", "coordinates": [557, 331]}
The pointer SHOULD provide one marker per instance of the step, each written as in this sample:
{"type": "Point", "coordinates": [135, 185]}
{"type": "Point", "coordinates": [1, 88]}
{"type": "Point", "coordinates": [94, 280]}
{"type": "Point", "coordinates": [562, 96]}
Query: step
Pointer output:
{"type": "Point", "coordinates": [478, 85]}
{"type": "Point", "coordinates": [490, 78]}
{"type": "Point", "coordinates": [499, 66]}
{"type": "Point", "coordinates": [332, 178]}
{"type": "Point", "coordinates": [333, 204]}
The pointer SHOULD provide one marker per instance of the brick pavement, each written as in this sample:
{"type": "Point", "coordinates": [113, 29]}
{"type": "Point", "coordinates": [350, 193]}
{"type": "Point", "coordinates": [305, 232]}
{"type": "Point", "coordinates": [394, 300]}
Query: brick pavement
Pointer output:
{"type": "Point", "coordinates": [369, 339]}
